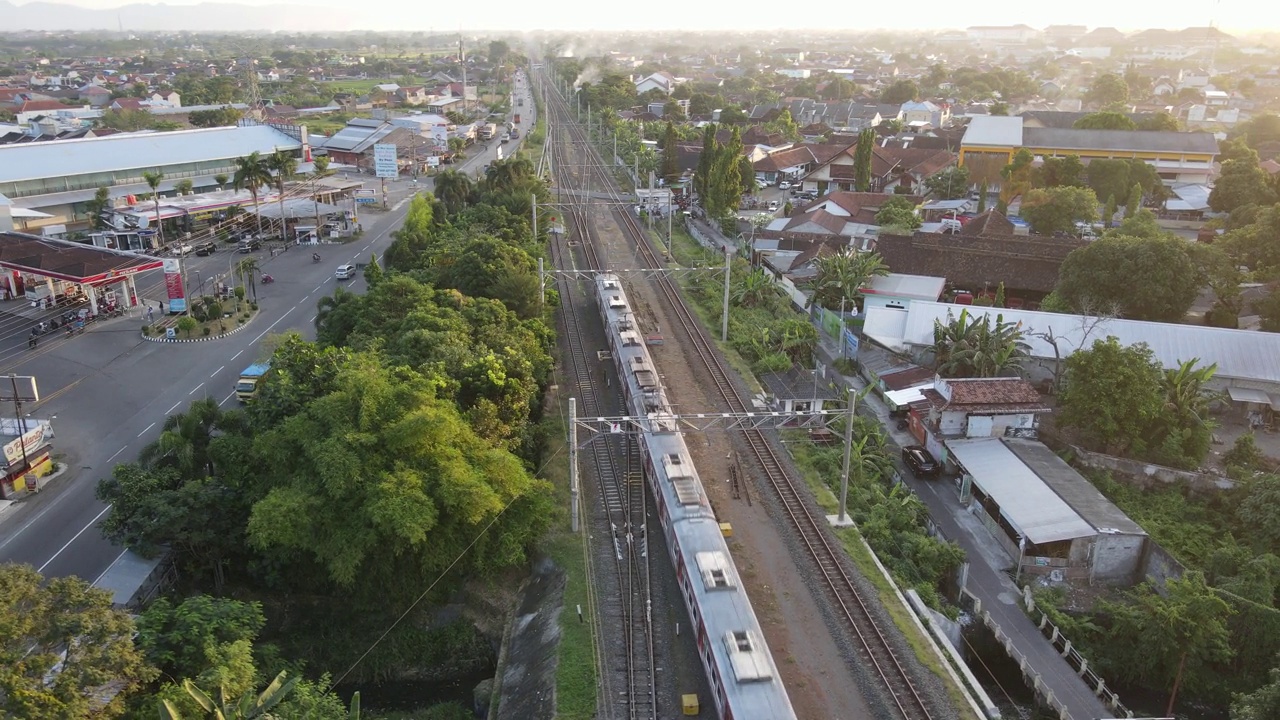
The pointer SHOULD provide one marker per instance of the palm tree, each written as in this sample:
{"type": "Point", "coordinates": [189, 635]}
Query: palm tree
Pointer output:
{"type": "Point", "coordinates": [321, 165]}
{"type": "Point", "coordinates": [245, 270]}
{"type": "Point", "coordinates": [841, 276]}
{"type": "Point", "coordinates": [97, 207]}
{"type": "Point", "coordinates": [453, 189]}
{"type": "Point", "coordinates": [184, 441]}
{"type": "Point", "coordinates": [285, 166]}
{"type": "Point", "coordinates": [153, 178]}
{"type": "Point", "coordinates": [1187, 399]}
{"type": "Point", "coordinates": [252, 173]}
{"type": "Point", "coordinates": [327, 309]}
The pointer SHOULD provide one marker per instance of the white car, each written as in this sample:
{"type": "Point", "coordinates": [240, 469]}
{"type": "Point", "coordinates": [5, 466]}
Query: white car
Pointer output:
{"type": "Point", "coordinates": [762, 184]}
{"type": "Point", "coordinates": [773, 206]}
{"type": "Point", "coordinates": [345, 272]}
{"type": "Point", "coordinates": [784, 185]}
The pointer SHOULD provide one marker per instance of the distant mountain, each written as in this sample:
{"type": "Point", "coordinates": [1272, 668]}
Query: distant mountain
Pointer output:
{"type": "Point", "coordinates": [218, 17]}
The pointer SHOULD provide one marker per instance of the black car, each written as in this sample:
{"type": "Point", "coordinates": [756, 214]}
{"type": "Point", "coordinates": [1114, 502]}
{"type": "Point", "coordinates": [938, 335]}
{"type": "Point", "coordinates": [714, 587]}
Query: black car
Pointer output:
{"type": "Point", "coordinates": [249, 245]}
{"type": "Point", "coordinates": [920, 461]}
{"type": "Point", "coordinates": [208, 247]}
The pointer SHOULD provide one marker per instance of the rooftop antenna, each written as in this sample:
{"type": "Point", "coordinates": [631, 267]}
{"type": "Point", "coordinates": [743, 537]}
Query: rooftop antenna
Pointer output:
{"type": "Point", "coordinates": [251, 88]}
{"type": "Point", "coordinates": [120, 22]}
{"type": "Point", "coordinates": [462, 61]}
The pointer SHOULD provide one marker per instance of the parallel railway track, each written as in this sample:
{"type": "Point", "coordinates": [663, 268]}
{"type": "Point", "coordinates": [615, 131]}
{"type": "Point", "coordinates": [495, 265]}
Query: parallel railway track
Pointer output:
{"type": "Point", "coordinates": [811, 527]}
{"type": "Point", "coordinates": [630, 679]}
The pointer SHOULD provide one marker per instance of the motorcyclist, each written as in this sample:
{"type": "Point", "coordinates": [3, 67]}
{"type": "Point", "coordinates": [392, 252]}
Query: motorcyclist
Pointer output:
{"type": "Point", "coordinates": [315, 257]}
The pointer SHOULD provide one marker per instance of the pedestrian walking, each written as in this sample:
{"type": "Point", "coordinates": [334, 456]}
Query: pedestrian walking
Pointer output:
{"type": "Point", "coordinates": [150, 313]}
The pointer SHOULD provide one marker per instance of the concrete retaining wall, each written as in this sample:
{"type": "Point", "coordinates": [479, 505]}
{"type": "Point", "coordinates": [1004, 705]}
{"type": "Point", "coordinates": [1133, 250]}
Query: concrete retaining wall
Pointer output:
{"type": "Point", "coordinates": [1146, 475]}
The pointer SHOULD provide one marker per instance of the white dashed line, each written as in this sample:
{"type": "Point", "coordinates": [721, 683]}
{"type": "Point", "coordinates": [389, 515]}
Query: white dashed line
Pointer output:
{"type": "Point", "coordinates": [73, 539]}
{"type": "Point", "coordinates": [113, 562]}
{"type": "Point", "coordinates": [225, 399]}
{"type": "Point", "coordinates": [277, 322]}
{"type": "Point", "coordinates": [144, 432]}
{"type": "Point", "coordinates": [233, 357]}
{"type": "Point", "coordinates": [215, 372]}
{"type": "Point", "coordinates": [175, 407]}
{"type": "Point", "coordinates": [194, 389]}
{"type": "Point", "coordinates": [113, 457]}
{"type": "Point", "coordinates": [313, 319]}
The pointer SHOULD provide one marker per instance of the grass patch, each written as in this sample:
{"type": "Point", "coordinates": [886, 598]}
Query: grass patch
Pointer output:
{"type": "Point", "coordinates": [576, 671]}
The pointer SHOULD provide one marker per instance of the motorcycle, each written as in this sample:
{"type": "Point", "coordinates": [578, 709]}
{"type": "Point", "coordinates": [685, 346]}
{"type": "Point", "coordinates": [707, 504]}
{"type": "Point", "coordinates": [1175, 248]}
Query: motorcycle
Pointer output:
{"type": "Point", "coordinates": [315, 258]}
{"type": "Point", "coordinates": [267, 279]}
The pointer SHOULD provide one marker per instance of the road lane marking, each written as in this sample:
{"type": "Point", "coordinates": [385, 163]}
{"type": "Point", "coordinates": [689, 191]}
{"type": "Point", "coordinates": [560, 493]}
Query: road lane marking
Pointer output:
{"type": "Point", "coordinates": [175, 407]}
{"type": "Point", "coordinates": [113, 457]}
{"type": "Point", "coordinates": [313, 319]}
{"type": "Point", "coordinates": [144, 432]}
{"type": "Point", "coordinates": [318, 287]}
{"type": "Point", "coordinates": [228, 397]}
{"type": "Point", "coordinates": [194, 389]}
{"type": "Point", "coordinates": [215, 372]}
{"type": "Point", "coordinates": [277, 322]}
{"type": "Point", "coordinates": [98, 517]}
{"type": "Point", "coordinates": [233, 357]}
{"type": "Point", "coordinates": [113, 562]}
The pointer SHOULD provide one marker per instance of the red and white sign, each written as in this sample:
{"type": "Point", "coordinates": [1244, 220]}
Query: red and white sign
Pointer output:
{"type": "Point", "coordinates": [173, 285]}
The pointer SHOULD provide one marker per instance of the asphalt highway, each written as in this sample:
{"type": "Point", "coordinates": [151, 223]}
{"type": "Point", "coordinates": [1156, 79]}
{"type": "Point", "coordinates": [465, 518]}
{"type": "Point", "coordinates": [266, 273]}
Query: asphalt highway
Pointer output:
{"type": "Point", "coordinates": [111, 391]}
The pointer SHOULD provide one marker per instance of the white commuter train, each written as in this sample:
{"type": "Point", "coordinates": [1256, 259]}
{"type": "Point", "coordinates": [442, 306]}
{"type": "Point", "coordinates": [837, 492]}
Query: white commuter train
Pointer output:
{"type": "Point", "coordinates": [743, 677]}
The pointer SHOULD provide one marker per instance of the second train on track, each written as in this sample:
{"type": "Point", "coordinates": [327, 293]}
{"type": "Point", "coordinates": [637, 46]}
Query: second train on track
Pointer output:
{"type": "Point", "coordinates": [740, 670]}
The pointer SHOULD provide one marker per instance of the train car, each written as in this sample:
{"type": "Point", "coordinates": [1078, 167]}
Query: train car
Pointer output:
{"type": "Point", "coordinates": [743, 677]}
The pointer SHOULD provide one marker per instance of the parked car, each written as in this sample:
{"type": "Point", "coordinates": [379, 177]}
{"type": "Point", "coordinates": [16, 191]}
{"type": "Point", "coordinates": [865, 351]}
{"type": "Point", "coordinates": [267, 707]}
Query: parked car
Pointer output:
{"type": "Point", "coordinates": [207, 247]}
{"type": "Point", "coordinates": [345, 272]}
{"type": "Point", "coordinates": [784, 185]}
{"type": "Point", "coordinates": [248, 245]}
{"type": "Point", "coordinates": [180, 249]}
{"type": "Point", "coordinates": [920, 461]}
{"type": "Point", "coordinates": [761, 184]}
{"type": "Point", "coordinates": [773, 206]}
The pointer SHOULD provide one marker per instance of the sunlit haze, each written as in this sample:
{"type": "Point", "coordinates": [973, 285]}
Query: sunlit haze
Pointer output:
{"type": "Point", "coordinates": [1232, 16]}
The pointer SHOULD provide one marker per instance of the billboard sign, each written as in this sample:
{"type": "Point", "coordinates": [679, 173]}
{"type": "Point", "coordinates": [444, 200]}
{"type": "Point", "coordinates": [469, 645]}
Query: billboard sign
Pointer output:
{"type": "Point", "coordinates": [173, 285]}
{"type": "Point", "coordinates": [384, 161]}
{"type": "Point", "coordinates": [433, 161]}
{"type": "Point", "coordinates": [28, 444]}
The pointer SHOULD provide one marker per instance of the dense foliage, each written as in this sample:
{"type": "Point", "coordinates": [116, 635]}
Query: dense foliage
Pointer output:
{"type": "Point", "coordinates": [392, 456]}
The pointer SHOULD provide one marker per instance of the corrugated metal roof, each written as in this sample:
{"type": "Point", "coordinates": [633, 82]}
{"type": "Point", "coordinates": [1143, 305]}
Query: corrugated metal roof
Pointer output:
{"type": "Point", "coordinates": [114, 153]}
{"type": "Point", "coordinates": [921, 287]}
{"type": "Point", "coordinates": [1240, 354]}
{"type": "Point", "coordinates": [993, 130]}
{"type": "Point", "coordinates": [1121, 140]}
{"type": "Point", "coordinates": [886, 327]}
{"type": "Point", "coordinates": [1025, 501]}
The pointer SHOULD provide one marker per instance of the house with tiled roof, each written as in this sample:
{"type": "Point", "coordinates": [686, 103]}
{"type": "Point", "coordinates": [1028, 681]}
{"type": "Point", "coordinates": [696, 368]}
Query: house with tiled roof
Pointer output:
{"type": "Point", "coordinates": [891, 167]}
{"type": "Point", "coordinates": [839, 219]}
{"type": "Point", "coordinates": [985, 253]}
{"type": "Point", "coordinates": [793, 162]}
{"type": "Point", "coordinates": [982, 407]}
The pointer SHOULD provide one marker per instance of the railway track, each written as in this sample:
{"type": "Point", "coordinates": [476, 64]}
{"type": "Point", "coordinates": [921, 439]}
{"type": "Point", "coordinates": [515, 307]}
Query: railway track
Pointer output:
{"type": "Point", "coordinates": [630, 678]}
{"type": "Point", "coordinates": [810, 527]}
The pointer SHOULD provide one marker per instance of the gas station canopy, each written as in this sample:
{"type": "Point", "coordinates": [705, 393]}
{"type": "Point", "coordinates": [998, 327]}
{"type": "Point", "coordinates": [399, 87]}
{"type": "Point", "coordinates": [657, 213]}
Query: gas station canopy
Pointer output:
{"type": "Point", "coordinates": [70, 261]}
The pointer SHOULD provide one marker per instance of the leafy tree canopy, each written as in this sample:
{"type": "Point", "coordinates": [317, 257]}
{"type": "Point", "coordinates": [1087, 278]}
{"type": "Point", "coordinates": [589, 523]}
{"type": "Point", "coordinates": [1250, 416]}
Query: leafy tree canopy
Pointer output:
{"type": "Point", "coordinates": [1147, 278]}
{"type": "Point", "coordinates": [1112, 395]}
{"type": "Point", "coordinates": [1058, 209]}
{"type": "Point", "coordinates": [1105, 121]}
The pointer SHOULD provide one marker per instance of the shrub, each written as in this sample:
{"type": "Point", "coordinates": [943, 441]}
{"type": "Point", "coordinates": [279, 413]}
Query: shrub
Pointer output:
{"type": "Point", "coordinates": [253, 306]}
{"type": "Point", "coordinates": [207, 330]}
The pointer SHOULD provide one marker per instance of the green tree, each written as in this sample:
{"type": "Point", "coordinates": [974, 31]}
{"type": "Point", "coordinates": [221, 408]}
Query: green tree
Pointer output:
{"type": "Point", "coordinates": [670, 154]}
{"type": "Point", "coordinates": [202, 637]}
{"type": "Point", "coordinates": [841, 277]}
{"type": "Point", "coordinates": [1242, 182]}
{"type": "Point", "coordinates": [1257, 511]}
{"type": "Point", "coordinates": [454, 190]}
{"type": "Point", "coordinates": [62, 623]}
{"type": "Point", "coordinates": [383, 485]}
{"type": "Point", "coordinates": [1102, 273]}
{"type": "Point", "coordinates": [252, 173]}
{"type": "Point", "coordinates": [1185, 430]}
{"type": "Point", "coordinates": [862, 156]}
{"type": "Point", "coordinates": [187, 325]}
{"type": "Point", "coordinates": [839, 89]}
{"type": "Point", "coordinates": [898, 213]}
{"type": "Point", "coordinates": [218, 117]}
{"type": "Point", "coordinates": [1134, 203]}
{"type": "Point", "coordinates": [153, 178]}
{"type": "Point", "coordinates": [899, 92]}
{"type": "Point", "coordinates": [753, 288]}
{"type": "Point", "coordinates": [1171, 639]}
{"type": "Point", "coordinates": [785, 125]}
{"type": "Point", "coordinates": [966, 346]}
{"type": "Point", "coordinates": [184, 441]}
{"type": "Point", "coordinates": [702, 176]}
{"type": "Point", "coordinates": [1261, 704]}
{"type": "Point", "coordinates": [127, 120]}
{"type": "Point", "coordinates": [1268, 308]}
{"type": "Point", "coordinates": [1109, 178]}
{"type": "Point", "coordinates": [949, 184]}
{"type": "Point", "coordinates": [97, 208]}
{"type": "Point", "coordinates": [321, 165]}
{"type": "Point", "coordinates": [1112, 394]}
{"type": "Point", "coordinates": [1259, 129]}
{"type": "Point", "coordinates": [1159, 122]}
{"type": "Point", "coordinates": [184, 187]}
{"type": "Point", "coordinates": [1058, 209]}
{"type": "Point", "coordinates": [1017, 176]}
{"type": "Point", "coordinates": [1059, 172]}
{"type": "Point", "coordinates": [1107, 89]}
{"type": "Point", "coordinates": [1105, 121]}
{"type": "Point", "coordinates": [229, 706]}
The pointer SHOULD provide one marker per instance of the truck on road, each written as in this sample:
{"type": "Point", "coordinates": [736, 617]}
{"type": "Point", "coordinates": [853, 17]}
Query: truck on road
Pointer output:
{"type": "Point", "coordinates": [247, 386]}
{"type": "Point", "coordinates": [517, 119]}
{"type": "Point", "coordinates": [488, 131]}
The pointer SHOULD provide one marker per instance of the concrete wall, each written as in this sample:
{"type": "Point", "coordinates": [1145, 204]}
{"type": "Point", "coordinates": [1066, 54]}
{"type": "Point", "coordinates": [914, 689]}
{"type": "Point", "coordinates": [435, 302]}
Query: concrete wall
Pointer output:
{"type": "Point", "coordinates": [1145, 475]}
{"type": "Point", "coordinates": [1118, 558]}
{"type": "Point", "coordinates": [1158, 565]}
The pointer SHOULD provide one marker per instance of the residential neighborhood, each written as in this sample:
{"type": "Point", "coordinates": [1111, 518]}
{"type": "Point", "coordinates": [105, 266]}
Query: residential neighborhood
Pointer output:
{"type": "Point", "coordinates": [988, 316]}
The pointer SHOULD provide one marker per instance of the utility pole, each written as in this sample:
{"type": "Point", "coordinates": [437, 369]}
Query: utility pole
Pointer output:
{"type": "Point", "coordinates": [724, 320]}
{"type": "Point", "coordinates": [843, 518]}
{"type": "Point", "coordinates": [542, 285]}
{"type": "Point", "coordinates": [462, 62]}
{"type": "Point", "coordinates": [18, 397]}
{"type": "Point", "coordinates": [573, 464]}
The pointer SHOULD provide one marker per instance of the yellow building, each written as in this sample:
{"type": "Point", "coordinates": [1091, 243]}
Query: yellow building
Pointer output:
{"type": "Point", "coordinates": [1180, 158]}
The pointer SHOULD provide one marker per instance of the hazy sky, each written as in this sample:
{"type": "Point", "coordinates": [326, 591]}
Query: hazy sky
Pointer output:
{"type": "Point", "coordinates": [1230, 15]}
